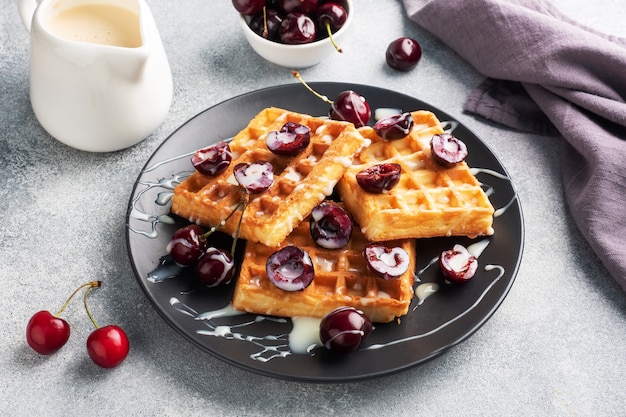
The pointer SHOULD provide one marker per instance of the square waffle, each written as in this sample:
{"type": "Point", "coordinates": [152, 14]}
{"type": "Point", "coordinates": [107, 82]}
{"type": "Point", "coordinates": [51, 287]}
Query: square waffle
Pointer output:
{"type": "Point", "coordinates": [429, 200]}
{"type": "Point", "coordinates": [341, 279]}
{"type": "Point", "coordinates": [300, 182]}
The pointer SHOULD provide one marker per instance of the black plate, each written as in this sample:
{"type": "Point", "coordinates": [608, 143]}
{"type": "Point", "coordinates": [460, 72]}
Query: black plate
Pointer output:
{"type": "Point", "coordinates": [260, 344]}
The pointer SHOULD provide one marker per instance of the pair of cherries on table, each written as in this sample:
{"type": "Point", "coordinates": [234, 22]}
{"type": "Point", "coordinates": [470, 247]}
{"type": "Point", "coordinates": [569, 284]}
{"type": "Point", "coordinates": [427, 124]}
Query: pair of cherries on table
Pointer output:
{"type": "Point", "coordinates": [46, 333]}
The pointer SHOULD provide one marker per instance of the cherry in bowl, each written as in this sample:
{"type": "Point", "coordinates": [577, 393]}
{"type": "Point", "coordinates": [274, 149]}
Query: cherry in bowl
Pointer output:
{"type": "Point", "coordinates": [299, 55]}
{"type": "Point", "coordinates": [248, 7]}
{"type": "Point", "coordinates": [296, 29]}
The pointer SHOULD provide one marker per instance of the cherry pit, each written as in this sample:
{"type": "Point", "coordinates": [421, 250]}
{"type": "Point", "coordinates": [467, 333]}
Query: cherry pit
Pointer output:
{"type": "Point", "coordinates": [46, 333]}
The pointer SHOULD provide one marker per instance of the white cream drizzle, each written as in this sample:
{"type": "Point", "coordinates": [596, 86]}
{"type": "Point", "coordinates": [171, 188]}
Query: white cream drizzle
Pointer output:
{"type": "Point", "coordinates": [425, 290]}
{"type": "Point", "coordinates": [304, 336]}
{"type": "Point", "coordinates": [444, 325]}
{"type": "Point", "coordinates": [382, 112]}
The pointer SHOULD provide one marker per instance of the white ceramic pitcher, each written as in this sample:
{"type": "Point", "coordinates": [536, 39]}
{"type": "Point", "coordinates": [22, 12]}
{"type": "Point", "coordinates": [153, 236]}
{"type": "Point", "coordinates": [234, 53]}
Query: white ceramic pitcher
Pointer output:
{"type": "Point", "coordinates": [93, 87]}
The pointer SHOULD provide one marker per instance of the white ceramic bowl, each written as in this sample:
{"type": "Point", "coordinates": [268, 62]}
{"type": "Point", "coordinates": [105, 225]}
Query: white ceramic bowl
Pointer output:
{"type": "Point", "coordinates": [295, 56]}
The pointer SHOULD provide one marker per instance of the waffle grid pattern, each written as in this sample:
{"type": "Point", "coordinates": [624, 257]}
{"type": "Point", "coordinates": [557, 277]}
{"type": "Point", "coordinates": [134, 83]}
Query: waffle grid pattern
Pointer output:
{"type": "Point", "coordinates": [429, 200]}
{"type": "Point", "coordinates": [341, 279]}
{"type": "Point", "coordinates": [300, 182]}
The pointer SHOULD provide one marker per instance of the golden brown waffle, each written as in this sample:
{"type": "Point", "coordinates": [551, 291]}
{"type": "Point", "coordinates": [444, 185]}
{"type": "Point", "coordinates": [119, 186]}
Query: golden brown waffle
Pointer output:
{"type": "Point", "coordinates": [341, 279]}
{"type": "Point", "coordinates": [429, 200]}
{"type": "Point", "coordinates": [300, 182]}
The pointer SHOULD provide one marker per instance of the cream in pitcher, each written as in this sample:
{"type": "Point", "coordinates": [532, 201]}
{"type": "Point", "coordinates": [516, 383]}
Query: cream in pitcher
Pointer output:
{"type": "Point", "coordinates": [103, 24]}
{"type": "Point", "coordinates": [99, 77]}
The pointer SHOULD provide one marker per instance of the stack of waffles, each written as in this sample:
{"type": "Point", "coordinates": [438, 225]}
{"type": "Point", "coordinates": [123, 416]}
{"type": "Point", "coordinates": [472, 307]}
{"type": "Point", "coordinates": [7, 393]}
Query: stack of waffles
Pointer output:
{"type": "Point", "coordinates": [429, 201]}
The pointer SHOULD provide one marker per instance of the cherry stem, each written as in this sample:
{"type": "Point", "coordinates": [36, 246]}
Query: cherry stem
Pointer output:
{"type": "Point", "coordinates": [67, 302]}
{"type": "Point", "coordinates": [297, 75]}
{"type": "Point", "coordinates": [332, 40]}
{"type": "Point", "coordinates": [97, 284]}
{"type": "Point", "coordinates": [243, 210]}
{"type": "Point", "coordinates": [265, 31]}
{"type": "Point", "coordinates": [223, 222]}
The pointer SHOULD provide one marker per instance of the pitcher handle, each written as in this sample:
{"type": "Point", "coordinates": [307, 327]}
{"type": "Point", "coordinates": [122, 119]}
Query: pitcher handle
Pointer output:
{"type": "Point", "coordinates": [27, 10]}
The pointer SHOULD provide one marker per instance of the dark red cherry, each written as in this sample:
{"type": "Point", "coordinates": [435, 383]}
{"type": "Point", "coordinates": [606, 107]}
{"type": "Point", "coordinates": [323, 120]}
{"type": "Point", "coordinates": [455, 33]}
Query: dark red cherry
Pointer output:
{"type": "Point", "coordinates": [330, 225]}
{"type": "Point", "coordinates": [386, 262]}
{"type": "Point", "coordinates": [297, 28]}
{"type": "Point", "coordinates": [248, 7]}
{"type": "Point", "coordinates": [403, 54]}
{"type": "Point", "coordinates": [290, 268]}
{"type": "Point", "coordinates": [267, 24]}
{"type": "Point", "coordinates": [379, 178]}
{"type": "Point", "coordinates": [447, 150]}
{"type": "Point", "coordinates": [457, 264]}
{"type": "Point", "coordinates": [255, 177]}
{"type": "Point", "coordinates": [331, 14]}
{"type": "Point", "coordinates": [394, 127]}
{"type": "Point", "coordinates": [215, 267]}
{"type": "Point", "coordinates": [289, 140]}
{"type": "Point", "coordinates": [344, 329]}
{"type": "Point", "coordinates": [298, 6]}
{"type": "Point", "coordinates": [350, 107]}
{"type": "Point", "coordinates": [212, 160]}
{"type": "Point", "coordinates": [186, 245]}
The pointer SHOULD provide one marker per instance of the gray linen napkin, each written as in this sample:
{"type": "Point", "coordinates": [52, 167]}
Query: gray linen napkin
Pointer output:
{"type": "Point", "coordinates": [549, 74]}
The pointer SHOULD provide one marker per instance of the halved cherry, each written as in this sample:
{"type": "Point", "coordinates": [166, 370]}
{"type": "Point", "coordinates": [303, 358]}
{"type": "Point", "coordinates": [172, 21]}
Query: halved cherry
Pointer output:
{"type": "Point", "coordinates": [394, 127]}
{"type": "Point", "coordinates": [457, 264]}
{"type": "Point", "coordinates": [387, 262]}
{"type": "Point", "coordinates": [255, 177]}
{"type": "Point", "coordinates": [379, 178]}
{"type": "Point", "coordinates": [330, 225]}
{"type": "Point", "coordinates": [448, 150]}
{"type": "Point", "coordinates": [212, 160]}
{"type": "Point", "coordinates": [289, 140]}
{"type": "Point", "coordinates": [290, 268]}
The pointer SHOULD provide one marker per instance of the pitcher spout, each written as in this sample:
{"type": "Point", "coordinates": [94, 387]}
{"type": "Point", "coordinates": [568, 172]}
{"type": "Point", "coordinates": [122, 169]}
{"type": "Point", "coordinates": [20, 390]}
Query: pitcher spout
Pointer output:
{"type": "Point", "coordinates": [128, 64]}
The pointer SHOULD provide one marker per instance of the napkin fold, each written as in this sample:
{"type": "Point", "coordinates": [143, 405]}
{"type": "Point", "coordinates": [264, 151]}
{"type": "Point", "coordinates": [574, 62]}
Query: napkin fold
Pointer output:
{"type": "Point", "coordinates": [548, 74]}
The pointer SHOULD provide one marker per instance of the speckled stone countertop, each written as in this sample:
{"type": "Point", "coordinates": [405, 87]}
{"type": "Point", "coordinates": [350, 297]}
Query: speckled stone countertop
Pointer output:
{"type": "Point", "coordinates": [555, 347]}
